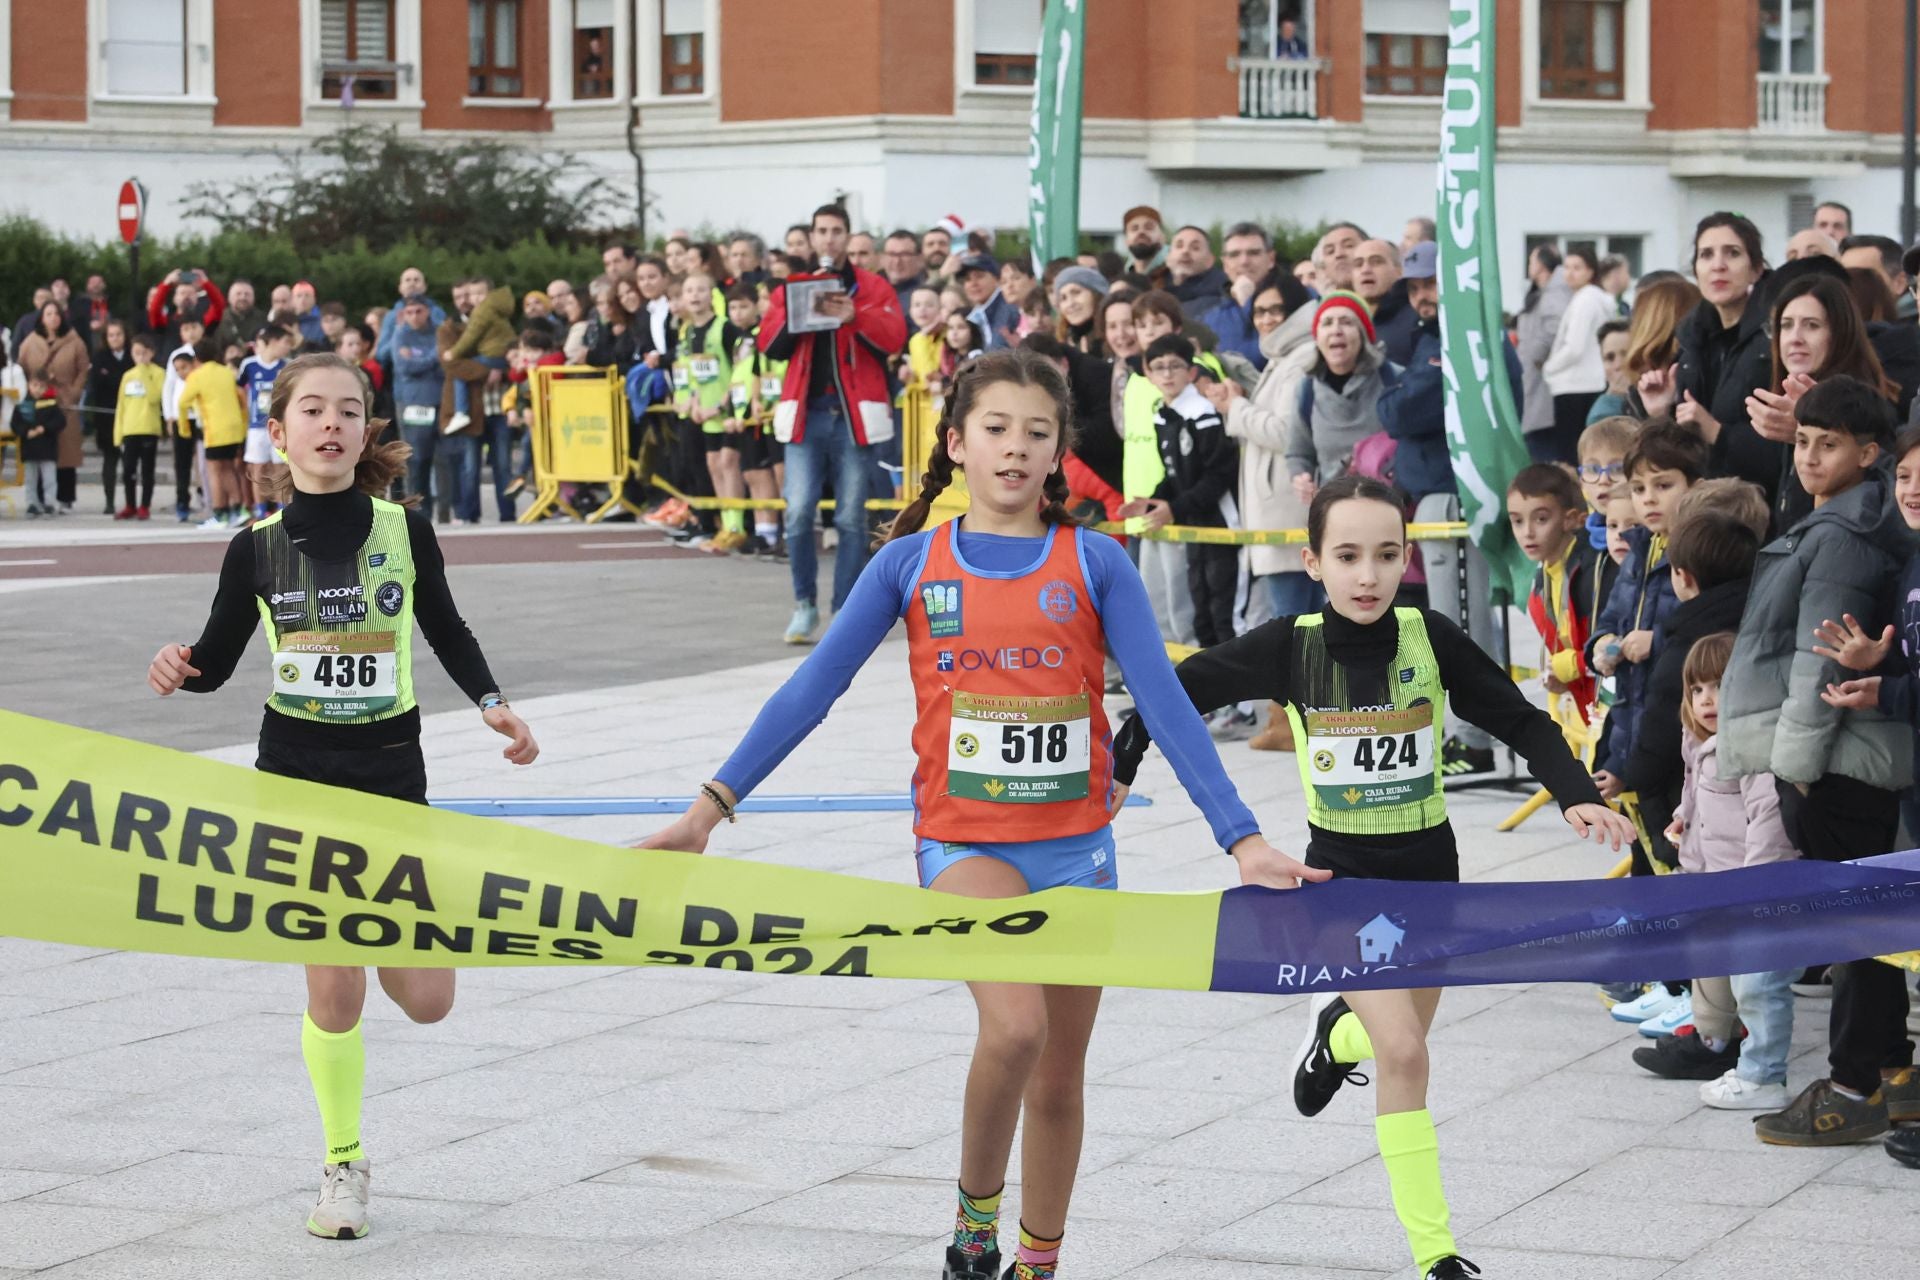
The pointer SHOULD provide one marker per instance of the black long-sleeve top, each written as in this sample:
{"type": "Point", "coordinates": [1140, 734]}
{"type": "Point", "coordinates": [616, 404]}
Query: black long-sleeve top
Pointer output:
{"type": "Point", "coordinates": [332, 527]}
{"type": "Point", "coordinates": [1258, 665]}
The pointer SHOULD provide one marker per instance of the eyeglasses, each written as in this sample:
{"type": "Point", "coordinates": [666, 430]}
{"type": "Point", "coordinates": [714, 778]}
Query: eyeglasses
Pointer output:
{"type": "Point", "coordinates": [1595, 472]}
{"type": "Point", "coordinates": [1168, 368]}
{"type": "Point", "coordinates": [1276, 312]}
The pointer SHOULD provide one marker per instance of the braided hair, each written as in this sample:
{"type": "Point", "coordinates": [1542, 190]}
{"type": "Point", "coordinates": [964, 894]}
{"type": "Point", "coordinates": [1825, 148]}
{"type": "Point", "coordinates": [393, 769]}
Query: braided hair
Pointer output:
{"type": "Point", "coordinates": [1022, 368]}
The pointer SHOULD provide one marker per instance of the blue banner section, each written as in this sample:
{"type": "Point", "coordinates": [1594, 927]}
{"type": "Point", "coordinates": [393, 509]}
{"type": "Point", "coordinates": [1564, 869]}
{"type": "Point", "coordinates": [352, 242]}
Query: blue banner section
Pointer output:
{"type": "Point", "coordinates": [1361, 935]}
{"type": "Point", "coordinates": [601, 806]}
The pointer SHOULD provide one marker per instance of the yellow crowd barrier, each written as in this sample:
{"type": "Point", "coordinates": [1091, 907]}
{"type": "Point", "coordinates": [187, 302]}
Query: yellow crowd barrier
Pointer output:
{"type": "Point", "coordinates": [580, 435]}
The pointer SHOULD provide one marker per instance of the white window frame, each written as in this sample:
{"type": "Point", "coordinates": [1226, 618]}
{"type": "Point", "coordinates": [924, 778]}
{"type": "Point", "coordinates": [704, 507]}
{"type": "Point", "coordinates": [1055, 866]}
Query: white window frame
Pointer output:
{"type": "Point", "coordinates": [646, 19]}
{"type": "Point", "coordinates": [6, 59]}
{"type": "Point", "coordinates": [963, 57]}
{"type": "Point", "coordinates": [199, 55]}
{"type": "Point", "coordinates": [1636, 39]}
{"type": "Point", "coordinates": [1305, 21]}
{"type": "Point", "coordinates": [560, 56]}
{"type": "Point", "coordinates": [1819, 45]}
{"type": "Point", "coordinates": [406, 52]}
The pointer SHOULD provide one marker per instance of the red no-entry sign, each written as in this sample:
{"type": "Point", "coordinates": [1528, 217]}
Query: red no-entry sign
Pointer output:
{"type": "Point", "coordinates": [132, 209]}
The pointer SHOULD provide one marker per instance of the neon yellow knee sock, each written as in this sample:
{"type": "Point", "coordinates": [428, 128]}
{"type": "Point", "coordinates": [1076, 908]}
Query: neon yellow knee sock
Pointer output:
{"type": "Point", "coordinates": [733, 521]}
{"type": "Point", "coordinates": [1348, 1040]}
{"type": "Point", "coordinates": [337, 1064]}
{"type": "Point", "coordinates": [1411, 1152]}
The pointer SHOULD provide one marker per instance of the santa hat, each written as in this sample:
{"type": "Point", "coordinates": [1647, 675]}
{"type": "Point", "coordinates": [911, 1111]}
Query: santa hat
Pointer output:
{"type": "Point", "coordinates": [1352, 302]}
{"type": "Point", "coordinates": [952, 225]}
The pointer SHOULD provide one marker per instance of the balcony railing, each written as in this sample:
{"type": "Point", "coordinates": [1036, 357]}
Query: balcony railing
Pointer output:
{"type": "Point", "coordinates": [1280, 88]}
{"type": "Point", "coordinates": [1792, 103]}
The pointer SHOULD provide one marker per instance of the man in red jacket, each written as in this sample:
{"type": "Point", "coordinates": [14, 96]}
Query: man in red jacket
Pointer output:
{"type": "Point", "coordinates": [834, 411]}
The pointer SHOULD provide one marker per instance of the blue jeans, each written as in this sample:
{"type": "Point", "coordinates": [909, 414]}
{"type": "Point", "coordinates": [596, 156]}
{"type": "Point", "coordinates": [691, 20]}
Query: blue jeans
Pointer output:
{"type": "Point", "coordinates": [462, 454]}
{"type": "Point", "coordinates": [499, 441]}
{"type": "Point", "coordinates": [1766, 1007]}
{"type": "Point", "coordinates": [1290, 594]}
{"type": "Point", "coordinates": [462, 393]}
{"type": "Point", "coordinates": [425, 442]}
{"type": "Point", "coordinates": [828, 448]}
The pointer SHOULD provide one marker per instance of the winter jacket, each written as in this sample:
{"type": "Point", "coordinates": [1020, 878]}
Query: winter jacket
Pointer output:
{"type": "Point", "coordinates": [1730, 822]}
{"type": "Point", "coordinates": [45, 415]}
{"type": "Point", "coordinates": [1722, 367]}
{"type": "Point", "coordinates": [489, 329]}
{"type": "Point", "coordinates": [1097, 442]}
{"type": "Point", "coordinates": [1654, 767]}
{"type": "Point", "coordinates": [1202, 293]}
{"type": "Point", "coordinates": [1642, 599]}
{"type": "Point", "coordinates": [1538, 324]}
{"type": "Point", "coordinates": [1414, 413]}
{"type": "Point", "coordinates": [1261, 423]}
{"type": "Point", "coordinates": [137, 402]}
{"type": "Point", "coordinates": [1843, 558]}
{"type": "Point", "coordinates": [67, 362]}
{"type": "Point", "coordinates": [313, 336]}
{"type": "Point", "coordinates": [240, 327]}
{"type": "Point", "coordinates": [1232, 325]}
{"type": "Point", "coordinates": [859, 350]}
{"type": "Point", "coordinates": [1202, 462]}
{"type": "Point", "coordinates": [1899, 684]}
{"type": "Point", "coordinates": [418, 376]}
{"type": "Point", "coordinates": [390, 326]}
{"type": "Point", "coordinates": [1325, 424]}
{"type": "Point", "coordinates": [999, 322]}
{"type": "Point", "coordinates": [1897, 344]}
{"type": "Point", "coordinates": [103, 387]}
{"type": "Point", "coordinates": [1396, 324]}
{"type": "Point", "coordinates": [1573, 366]}
{"type": "Point", "coordinates": [1561, 608]}
{"type": "Point", "coordinates": [161, 317]}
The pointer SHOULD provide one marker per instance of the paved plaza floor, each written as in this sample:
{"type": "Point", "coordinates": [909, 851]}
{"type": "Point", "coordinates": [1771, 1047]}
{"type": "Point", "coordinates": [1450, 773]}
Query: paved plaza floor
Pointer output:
{"type": "Point", "coordinates": [155, 1119]}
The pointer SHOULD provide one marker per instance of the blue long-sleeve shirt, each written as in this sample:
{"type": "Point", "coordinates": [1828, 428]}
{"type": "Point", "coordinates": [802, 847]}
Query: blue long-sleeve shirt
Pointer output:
{"type": "Point", "coordinates": [886, 589]}
{"type": "Point", "coordinates": [390, 324]}
{"type": "Point", "coordinates": [418, 375]}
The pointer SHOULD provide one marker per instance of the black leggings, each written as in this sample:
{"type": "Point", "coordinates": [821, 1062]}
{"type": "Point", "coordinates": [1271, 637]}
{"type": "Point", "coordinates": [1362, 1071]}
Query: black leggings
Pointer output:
{"type": "Point", "coordinates": [109, 462]}
{"type": "Point", "coordinates": [183, 471]}
{"type": "Point", "coordinates": [136, 452]}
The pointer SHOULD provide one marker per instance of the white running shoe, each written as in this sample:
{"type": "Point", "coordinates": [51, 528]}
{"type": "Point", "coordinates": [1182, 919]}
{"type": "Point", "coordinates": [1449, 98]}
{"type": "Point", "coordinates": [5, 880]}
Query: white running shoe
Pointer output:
{"type": "Point", "coordinates": [1678, 1015]}
{"type": "Point", "coordinates": [212, 522]}
{"type": "Point", "coordinates": [456, 424]}
{"type": "Point", "coordinates": [1651, 1003]}
{"type": "Point", "coordinates": [1732, 1093]}
{"type": "Point", "coordinates": [341, 1213]}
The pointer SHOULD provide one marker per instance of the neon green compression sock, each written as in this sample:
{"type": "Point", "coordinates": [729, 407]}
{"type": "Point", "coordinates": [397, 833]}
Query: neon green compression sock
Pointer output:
{"type": "Point", "coordinates": [337, 1064]}
{"type": "Point", "coordinates": [1348, 1039]}
{"type": "Point", "coordinates": [1411, 1152]}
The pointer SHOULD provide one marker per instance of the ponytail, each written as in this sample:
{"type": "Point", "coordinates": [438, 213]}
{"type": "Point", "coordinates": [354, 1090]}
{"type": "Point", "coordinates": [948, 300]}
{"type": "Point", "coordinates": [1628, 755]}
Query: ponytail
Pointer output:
{"type": "Point", "coordinates": [1023, 368]}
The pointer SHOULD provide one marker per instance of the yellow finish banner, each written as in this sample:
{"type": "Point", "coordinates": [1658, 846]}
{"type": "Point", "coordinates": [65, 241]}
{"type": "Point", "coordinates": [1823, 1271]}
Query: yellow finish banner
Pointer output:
{"type": "Point", "coordinates": [106, 842]}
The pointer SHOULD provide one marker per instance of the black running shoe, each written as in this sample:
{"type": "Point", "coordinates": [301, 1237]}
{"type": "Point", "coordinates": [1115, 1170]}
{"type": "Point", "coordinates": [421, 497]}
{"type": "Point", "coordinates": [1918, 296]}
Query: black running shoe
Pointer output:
{"type": "Point", "coordinates": [971, 1266]}
{"type": "Point", "coordinates": [1452, 1267]}
{"type": "Point", "coordinates": [1685, 1056]}
{"type": "Point", "coordinates": [1316, 1076]}
{"type": "Point", "coordinates": [1904, 1145]}
{"type": "Point", "coordinates": [1457, 758]}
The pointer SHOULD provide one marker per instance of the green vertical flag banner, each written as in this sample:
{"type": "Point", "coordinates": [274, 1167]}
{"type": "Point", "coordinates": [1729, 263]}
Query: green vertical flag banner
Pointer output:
{"type": "Point", "coordinates": [1053, 143]}
{"type": "Point", "coordinates": [1483, 427]}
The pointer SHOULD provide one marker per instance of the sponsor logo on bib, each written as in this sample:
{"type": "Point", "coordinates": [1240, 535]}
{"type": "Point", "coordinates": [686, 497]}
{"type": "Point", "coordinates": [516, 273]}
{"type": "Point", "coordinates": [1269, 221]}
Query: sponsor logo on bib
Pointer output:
{"type": "Point", "coordinates": [943, 604]}
{"type": "Point", "coordinates": [1058, 600]}
{"type": "Point", "coordinates": [389, 598]}
{"type": "Point", "coordinates": [377, 559]}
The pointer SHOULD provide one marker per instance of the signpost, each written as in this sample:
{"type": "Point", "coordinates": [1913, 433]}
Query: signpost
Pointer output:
{"type": "Point", "coordinates": [131, 208]}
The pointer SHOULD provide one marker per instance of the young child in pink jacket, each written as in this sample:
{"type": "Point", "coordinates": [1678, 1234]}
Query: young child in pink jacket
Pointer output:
{"type": "Point", "coordinates": [1724, 823]}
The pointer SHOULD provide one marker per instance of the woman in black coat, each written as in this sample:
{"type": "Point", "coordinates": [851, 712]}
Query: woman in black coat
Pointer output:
{"type": "Point", "coordinates": [1724, 355]}
{"type": "Point", "coordinates": [103, 397]}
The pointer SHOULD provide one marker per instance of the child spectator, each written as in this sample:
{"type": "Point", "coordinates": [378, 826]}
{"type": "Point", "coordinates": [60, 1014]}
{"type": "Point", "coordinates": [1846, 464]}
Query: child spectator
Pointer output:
{"type": "Point", "coordinates": [1710, 558]}
{"type": "Point", "coordinates": [1744, 500]}
{"type": "Point", "coordinates": [211, 392]}
{"type": "Point", "coordinates": [333, 323]}
{"type": "Point", "coordinates": [1547, 513]}
{"type": "Point", "coordinates": [1202, 466]}
{"type": "Point", "coordinates": [38, 420]}
{"type": "Point", "coordinates": [137, 424]}
{"type": "Point", "coordinates": [1722, 824]}
{"type": "Point", "coordinates": [1840, 767]}
{"type": "Point", "coordinates": [271, 347]}
{"type": "Point", "coordinates": [749, 429]}
{"type": "Point", "coordinates": [1666, 460]}
{"type": "Point", "coordinates": [183, 429]}
{"type": "Point", "coordinates": [1621, 517]}
{"type": "Point", "coordinates": [1616, 400]}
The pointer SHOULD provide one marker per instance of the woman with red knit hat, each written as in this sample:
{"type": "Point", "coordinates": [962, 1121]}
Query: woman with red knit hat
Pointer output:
{"type": "Point", "coordinates": [1336, 407]}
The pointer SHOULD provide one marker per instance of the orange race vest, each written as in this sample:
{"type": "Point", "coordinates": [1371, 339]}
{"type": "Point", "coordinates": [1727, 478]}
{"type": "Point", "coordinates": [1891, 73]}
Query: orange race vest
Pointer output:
{"type": "Point", "coordinates": [1011, 739]}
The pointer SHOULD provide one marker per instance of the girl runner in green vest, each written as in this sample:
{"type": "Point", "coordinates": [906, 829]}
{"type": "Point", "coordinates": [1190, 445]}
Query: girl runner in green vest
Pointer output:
{"type": "Point", "coordinates": [338, 577]}
{"type": "Point", "coordinates": [1366, 687]}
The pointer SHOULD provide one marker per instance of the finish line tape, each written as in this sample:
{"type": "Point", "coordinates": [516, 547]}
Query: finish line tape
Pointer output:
{"type": "Point", "coordinates": [106, 842]}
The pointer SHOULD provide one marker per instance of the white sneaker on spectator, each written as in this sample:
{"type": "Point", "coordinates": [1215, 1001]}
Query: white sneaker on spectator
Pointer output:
{"type": "Point", "coordinates": [1732, 1093]}
{"type": "Point", "coordinates": [1651, 1003]}
{"type": "Point", "coordinates": [212, 522]}
{"type": "Point", "coordinates": [1670, 1022]}
{"type": "Point", "coordinates": [456, 424]}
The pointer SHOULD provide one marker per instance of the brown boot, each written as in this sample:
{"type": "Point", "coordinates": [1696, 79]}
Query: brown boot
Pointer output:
{"type": "Point", "coordinates": [1278, 735]}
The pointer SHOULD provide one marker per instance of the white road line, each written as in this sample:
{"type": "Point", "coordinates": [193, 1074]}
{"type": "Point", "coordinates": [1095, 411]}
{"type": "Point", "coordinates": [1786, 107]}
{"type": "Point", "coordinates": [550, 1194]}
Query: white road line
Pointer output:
{"type": "Point", "coordinates": [607, 546]}
{"type": "Point", "coordinates": [7, 563]}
